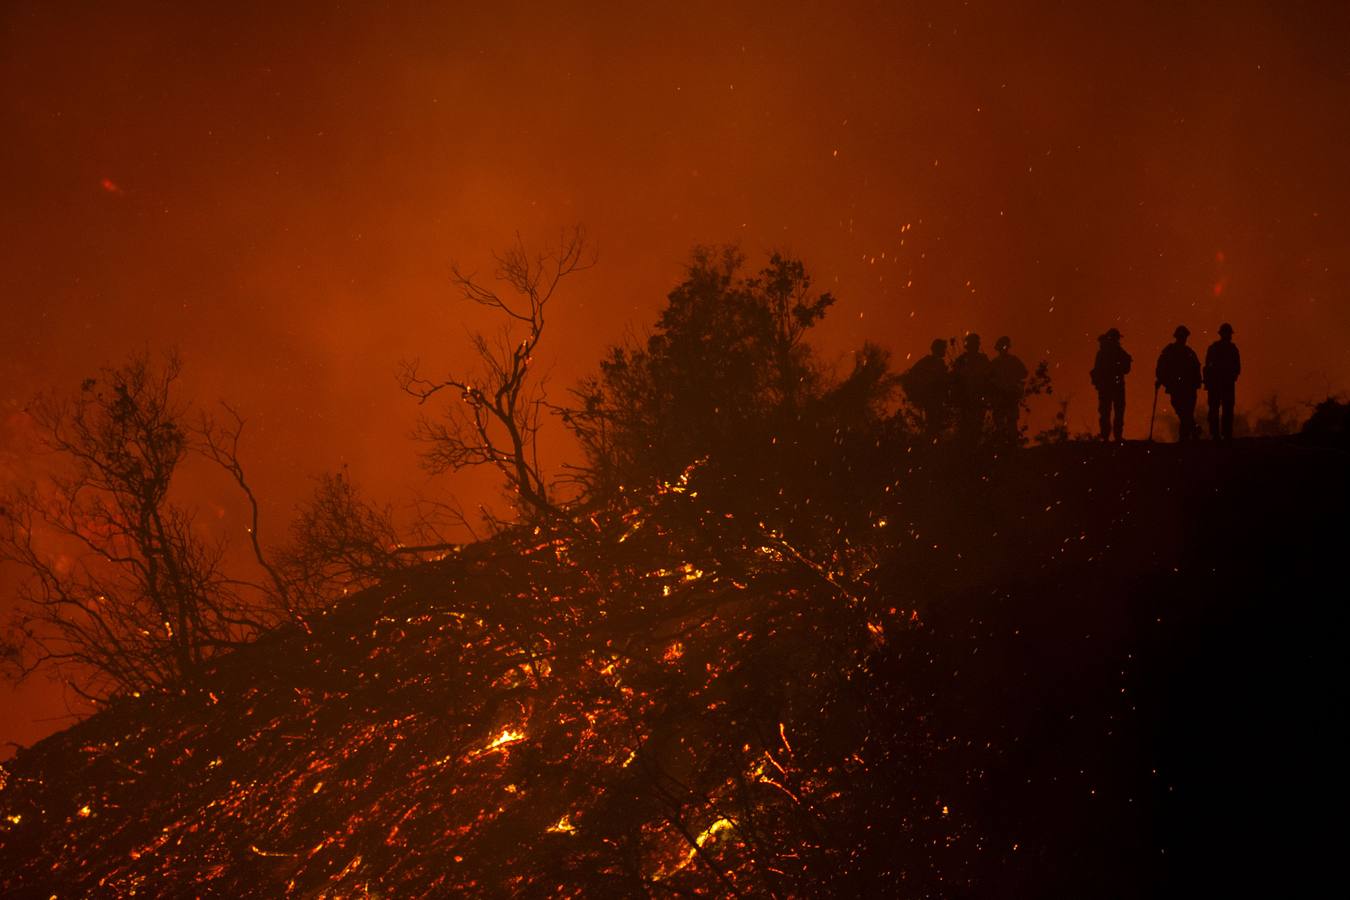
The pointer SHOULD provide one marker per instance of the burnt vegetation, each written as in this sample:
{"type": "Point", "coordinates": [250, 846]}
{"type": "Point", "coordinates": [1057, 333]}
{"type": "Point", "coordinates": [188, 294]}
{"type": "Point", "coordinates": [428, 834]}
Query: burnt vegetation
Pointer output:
{"type": "Point", "coordinates": [769, 637]}
{"type": "Point", "coordinates": [124, 591]}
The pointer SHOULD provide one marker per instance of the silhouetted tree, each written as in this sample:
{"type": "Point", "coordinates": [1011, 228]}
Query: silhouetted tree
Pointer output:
{"type": "Point", "coordinates": [1058, 432]}
{"type": "Point", "coordinates": [495, 417]}
{"type": "Point", "coordinates": [1330, 421]}
{"type": "Point", "coordinates": [727, 361]}
{"type": "Point", "coordinates": [859, 400]}
{"type": "Point", "coordinates": [340, 543]}
{"type": "Point", "coordinates": [1038, 384]}
{"type": "Point", "coordinates": [122, 591]}
{"type": "Point", "coordinates": [1270, 419]}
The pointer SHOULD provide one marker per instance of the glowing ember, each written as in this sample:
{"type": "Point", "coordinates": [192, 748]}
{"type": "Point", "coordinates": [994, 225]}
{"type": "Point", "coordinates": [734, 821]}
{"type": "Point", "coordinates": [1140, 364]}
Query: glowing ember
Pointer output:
{"type": "Point", "coordinates": [508, 736]}
{"type": "Point", "coordinates": [631, 678]}
{"type": "Point", "coordinates": [563, 826]}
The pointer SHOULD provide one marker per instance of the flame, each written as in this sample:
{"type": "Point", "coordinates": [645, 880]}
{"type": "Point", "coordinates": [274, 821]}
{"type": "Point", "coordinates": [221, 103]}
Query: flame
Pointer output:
{"type": "Point", "coordinates": [700, 841]}
{"type": "Point", "coordinates": [714, 830]}
{"type": "Point", "coordinates": [508, 736]}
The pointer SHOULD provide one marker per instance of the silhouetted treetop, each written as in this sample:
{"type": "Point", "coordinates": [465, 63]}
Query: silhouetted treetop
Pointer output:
{"type": "Point", "coordinates": [727, 360]}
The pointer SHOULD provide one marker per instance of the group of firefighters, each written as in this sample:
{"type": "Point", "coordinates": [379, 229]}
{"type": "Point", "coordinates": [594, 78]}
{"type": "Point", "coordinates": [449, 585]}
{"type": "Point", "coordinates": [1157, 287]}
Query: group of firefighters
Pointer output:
{"type": "Point", "coordinates": [1178, 373]}
{"type": "Point", "coordinates": [975, 385]}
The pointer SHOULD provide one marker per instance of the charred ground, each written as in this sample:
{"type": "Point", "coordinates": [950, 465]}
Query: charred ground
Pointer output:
{"type": "Point", "coordinates": [1072, 670]}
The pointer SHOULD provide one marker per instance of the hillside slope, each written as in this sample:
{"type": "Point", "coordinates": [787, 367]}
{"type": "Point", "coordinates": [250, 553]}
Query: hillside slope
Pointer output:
{"type": "Point", "coordinates": [1074, 670]}
{"type": "Point", "coordinates": [1149, 705]}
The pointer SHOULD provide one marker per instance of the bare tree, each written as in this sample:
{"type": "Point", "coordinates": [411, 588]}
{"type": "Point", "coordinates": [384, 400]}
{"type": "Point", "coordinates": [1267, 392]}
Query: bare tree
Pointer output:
{"type": "Point", "coordinates": [495, 417]}
{"type": "Point", "coordinates": [340, 543]}
{"type": "Point", "coordinates": [122, 592]}
{"type": "Point", "coordinates": [220, 444]}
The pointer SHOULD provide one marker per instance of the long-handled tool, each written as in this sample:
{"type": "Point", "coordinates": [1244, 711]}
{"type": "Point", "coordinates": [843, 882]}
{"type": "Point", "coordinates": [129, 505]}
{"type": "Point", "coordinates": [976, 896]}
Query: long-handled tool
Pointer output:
{"type": "Point", "coordinates": [1153, 415]}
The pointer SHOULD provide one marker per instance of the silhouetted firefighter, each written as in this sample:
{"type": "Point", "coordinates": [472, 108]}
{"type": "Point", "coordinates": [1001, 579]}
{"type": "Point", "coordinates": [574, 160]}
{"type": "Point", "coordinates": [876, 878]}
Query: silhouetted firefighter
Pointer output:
{"type": "Point", "coordinates": [970, 386]}
{"type": "Point", "coordinates": [1178, 373]}
{"type": "Point", "coordinates": [1007, 380]}
{"type": "Point", "coordinates": [1108, 377]}
{"type": "Point", "coordinates": [927, 384]}
{"type": "Point", "coordinates": [1222, 367]}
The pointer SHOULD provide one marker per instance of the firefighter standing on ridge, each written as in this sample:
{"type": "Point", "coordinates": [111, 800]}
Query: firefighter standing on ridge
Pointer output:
{"type": "Point", "coordinates": [1178, 373]}
{"type": "Point", "coordinates": [1108, 377]}
{"type": "Point", "coordinates": [1007, 380]}
{"type": "Point", "coordinates": [970, 387]}
{"type": "Point", "coordinates": [927, 384]}
{"type": "Point", "coordinates": [1222, 367]}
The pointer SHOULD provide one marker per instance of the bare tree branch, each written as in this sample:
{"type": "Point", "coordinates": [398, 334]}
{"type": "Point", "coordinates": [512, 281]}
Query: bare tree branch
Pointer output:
{"type": "Point", "coordinates": [340, 543]}
{"type": "Point", "coordinates": [220, 444]}
{"type": "Point", "coordinates": [122, 592]}
{"type": "Point", "coordinates": [495, 417]}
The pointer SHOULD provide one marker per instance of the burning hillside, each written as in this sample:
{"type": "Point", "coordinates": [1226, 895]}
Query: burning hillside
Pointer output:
{"type": "Point", "coordinates": [677, 697]}
{"type": "Point", "coordinates": [612, 708]}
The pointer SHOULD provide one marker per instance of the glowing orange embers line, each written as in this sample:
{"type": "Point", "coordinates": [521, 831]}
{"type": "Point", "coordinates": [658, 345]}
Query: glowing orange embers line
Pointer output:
{"type": "Point", "coordinates": [506, 738]}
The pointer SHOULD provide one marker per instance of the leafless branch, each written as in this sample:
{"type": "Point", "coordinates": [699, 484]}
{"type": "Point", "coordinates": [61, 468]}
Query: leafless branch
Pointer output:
{"type": "Point", "coordinates": [220, 444]}
{"type": "Point", "coordinates": [495, 416]}
{"type": "Point", "coordinates": [121, 591]}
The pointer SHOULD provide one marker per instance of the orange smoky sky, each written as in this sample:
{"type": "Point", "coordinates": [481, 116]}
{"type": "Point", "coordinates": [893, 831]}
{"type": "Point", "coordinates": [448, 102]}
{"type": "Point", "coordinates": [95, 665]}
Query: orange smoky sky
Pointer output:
{"type": "Point", "coordinates": [278, 190]}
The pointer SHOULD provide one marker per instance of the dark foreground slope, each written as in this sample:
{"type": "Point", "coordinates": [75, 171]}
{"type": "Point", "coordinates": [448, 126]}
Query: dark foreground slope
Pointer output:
{"type": "Point", "coordinates": [1072, 671]}
{"type": "Point", "coordinates": [1151, 705]}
